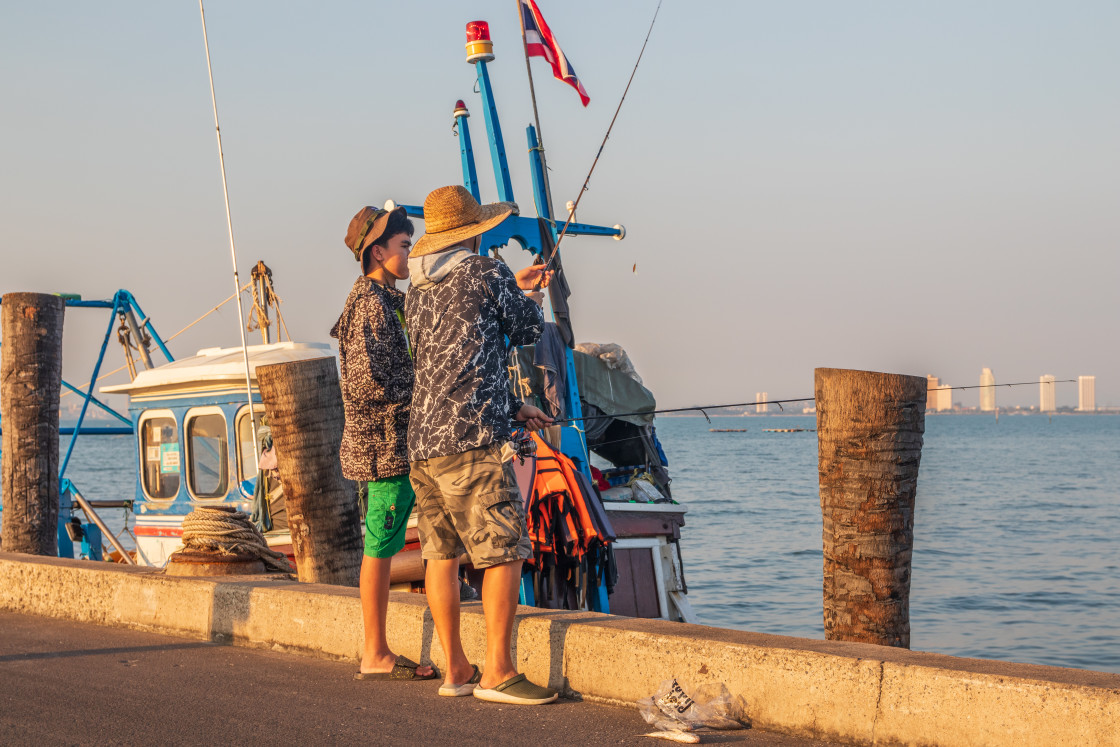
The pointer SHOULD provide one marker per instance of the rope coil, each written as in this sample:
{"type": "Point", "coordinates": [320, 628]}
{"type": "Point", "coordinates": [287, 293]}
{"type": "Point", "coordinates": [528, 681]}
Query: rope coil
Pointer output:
{"type": "Point", "coordinates": [229, 532]}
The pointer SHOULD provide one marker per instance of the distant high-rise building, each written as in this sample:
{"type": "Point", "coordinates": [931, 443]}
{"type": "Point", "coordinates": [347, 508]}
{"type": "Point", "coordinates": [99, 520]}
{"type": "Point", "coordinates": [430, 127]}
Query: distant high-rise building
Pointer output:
{"type": "Point", "coordinates": [1087, 393]}
{"type": "Point", "coordinates": [939, 397]}
{"type": "Point", "coordinates": [761, 397]}
{"type": "Point", "coordinates": [1046, 393]}
{"type": "Point", "coordinates": [944, 398]}
{"type": "Point", "coordinates": [987, 391]}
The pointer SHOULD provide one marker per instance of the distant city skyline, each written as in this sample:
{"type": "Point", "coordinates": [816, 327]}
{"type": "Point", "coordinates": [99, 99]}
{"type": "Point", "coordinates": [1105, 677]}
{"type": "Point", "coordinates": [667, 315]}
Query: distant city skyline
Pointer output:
{"type": "Point", "coordinates": [940, 394]}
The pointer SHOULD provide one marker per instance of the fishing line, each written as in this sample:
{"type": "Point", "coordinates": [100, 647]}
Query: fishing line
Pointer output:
{"type": "Point", "coordinates": [583, 189]}
{"type": "Point", "coordinates": [701, 408]}
{"type": "Point", "coordinates": [989, 386]}
{"type": "Point", "coordinates": [232, 246]}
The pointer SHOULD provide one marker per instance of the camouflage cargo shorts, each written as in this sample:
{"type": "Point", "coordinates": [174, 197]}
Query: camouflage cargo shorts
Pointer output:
{"type": "Point", "coordinates": [470, 503]}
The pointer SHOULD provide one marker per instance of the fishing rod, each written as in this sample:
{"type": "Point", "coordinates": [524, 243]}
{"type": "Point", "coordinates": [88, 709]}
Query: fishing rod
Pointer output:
{"type": "Point", "coordinates": [779, 402]}
{"type": "Point", "coordinates": [583, 189]}
{"type": "Point", "coordinates": [699, 408]}
{"type": "Point", "coordinates": [232, 246]}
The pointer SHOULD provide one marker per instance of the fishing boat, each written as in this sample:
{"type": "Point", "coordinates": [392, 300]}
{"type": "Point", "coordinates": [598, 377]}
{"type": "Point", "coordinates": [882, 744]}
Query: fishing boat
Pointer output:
{"type": "Point", "coordinates": [193, 423]}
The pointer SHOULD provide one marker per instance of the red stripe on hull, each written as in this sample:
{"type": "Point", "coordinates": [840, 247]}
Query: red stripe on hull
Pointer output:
{"type": "Point", "coordinates": [158, 531]}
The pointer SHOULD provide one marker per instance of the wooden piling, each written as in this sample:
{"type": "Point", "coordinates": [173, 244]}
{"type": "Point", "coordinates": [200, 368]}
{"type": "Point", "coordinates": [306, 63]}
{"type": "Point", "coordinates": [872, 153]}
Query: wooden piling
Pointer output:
{"type": "Point", "coordinates": [303, 403]}
{"type": "Point", "coordinates": [30, 384]}
{"type": "Point", "coordinates": [869, 439]}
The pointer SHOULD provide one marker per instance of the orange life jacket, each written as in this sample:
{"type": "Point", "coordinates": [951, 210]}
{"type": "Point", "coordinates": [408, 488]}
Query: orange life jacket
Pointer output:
{"type": "Point", "coordinates": [558, 519]}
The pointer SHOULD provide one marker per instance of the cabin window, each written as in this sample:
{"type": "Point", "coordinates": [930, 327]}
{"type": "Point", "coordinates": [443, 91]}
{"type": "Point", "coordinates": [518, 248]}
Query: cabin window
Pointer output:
{"type": "Point", "coordinates": [246, 454]}
{"type": "Point", "coordinates": [207, 455]}
{"type": "Point", "coordinates": [159, 456]}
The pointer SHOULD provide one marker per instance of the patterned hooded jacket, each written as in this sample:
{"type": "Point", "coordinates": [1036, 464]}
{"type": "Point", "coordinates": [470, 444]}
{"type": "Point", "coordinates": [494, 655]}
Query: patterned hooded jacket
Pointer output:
{"type": "Point", "coordinates": [376, 382]}
{"type": "Point", "coordinates": [459, 310]}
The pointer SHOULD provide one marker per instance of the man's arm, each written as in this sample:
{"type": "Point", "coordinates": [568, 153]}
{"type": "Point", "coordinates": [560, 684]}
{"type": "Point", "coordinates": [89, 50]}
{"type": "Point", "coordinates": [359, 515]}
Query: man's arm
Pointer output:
{"type": "Point", "coordinates": [521, 319]}
{"type": "Point", "coordinates": [533, 418]}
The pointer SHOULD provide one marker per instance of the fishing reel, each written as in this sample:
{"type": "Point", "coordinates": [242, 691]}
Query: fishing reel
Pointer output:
{"type": "Point", "coordinates": [523, 444]}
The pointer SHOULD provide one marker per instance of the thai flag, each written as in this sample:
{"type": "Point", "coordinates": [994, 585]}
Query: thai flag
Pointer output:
{"type": "Point", "coordinates": [539, 42]}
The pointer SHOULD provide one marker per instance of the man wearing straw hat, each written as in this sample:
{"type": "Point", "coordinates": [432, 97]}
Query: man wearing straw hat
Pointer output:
{"type": "Point", "coordinates": [460, 310]}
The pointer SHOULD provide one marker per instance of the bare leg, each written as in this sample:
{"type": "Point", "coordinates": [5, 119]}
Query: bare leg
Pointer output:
{"type": "Point", "coordinates": [500, 586]}
{"type": "Point", "coordinates": [441, 582]}
{"type": "Point", "coordinates": [373, 587]}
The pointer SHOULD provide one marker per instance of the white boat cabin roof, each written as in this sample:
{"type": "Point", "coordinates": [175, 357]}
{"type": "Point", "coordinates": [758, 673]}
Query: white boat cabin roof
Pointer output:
{"type": "Point", "coordinates": [216, 366]}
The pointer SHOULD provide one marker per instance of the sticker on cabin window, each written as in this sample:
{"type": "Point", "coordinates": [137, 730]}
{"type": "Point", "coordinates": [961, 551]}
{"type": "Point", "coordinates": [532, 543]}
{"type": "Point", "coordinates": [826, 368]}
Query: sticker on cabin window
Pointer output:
{"type": "Point", "coordinates": [153, 453]}
{"type": "Point", "coordinates": [169, 459]}
{"type": "Point", "coordinates": [156, 432]}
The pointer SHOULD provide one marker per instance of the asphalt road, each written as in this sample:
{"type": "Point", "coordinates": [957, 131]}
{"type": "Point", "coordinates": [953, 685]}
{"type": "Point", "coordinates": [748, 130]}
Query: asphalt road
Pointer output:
{"type": "Point", "coordinates": [74, 684]}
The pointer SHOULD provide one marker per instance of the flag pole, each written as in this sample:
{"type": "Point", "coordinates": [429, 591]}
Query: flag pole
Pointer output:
{"type": "Point", "coordinates": [536, 116]}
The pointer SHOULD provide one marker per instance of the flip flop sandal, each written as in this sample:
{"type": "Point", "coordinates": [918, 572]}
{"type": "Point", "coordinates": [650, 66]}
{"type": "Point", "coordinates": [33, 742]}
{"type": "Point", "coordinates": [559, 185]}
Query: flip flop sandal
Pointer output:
{"type": "Point", "coordinates": [517, 690]}
{"type": "Point", "coordinates": [458, 691]}
{"type": "Point", "coordinates": [403, 669]}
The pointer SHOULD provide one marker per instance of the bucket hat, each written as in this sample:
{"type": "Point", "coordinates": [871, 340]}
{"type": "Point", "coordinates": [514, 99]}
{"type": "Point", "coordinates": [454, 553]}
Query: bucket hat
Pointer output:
{"type": "Point", "coordinates": [367, 227]}
{"type": "Point", "coordinates": [452, 215]}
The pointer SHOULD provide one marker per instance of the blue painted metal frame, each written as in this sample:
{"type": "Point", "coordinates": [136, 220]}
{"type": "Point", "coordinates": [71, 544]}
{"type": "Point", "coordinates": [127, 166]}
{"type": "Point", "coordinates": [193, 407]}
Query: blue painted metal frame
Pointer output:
{"type": "Point", "coordinates": [466, 153]}
{"type": "Point", "coordinates": [526, 232]}
{"type": "Point", "coordinates": [98, 402]}
{"type": "Point", "coordinates": [122, 303]}
{"type": "Point", "coordinates": [494, 128]}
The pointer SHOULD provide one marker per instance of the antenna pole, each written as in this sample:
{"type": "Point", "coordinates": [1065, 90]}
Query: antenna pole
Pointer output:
{"type": "Point", "coordinates": [229, 224]}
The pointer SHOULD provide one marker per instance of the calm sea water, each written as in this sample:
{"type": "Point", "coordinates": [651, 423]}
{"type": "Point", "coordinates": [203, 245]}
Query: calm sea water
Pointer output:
{"type": "Point", "coordinates": [1016, 539]}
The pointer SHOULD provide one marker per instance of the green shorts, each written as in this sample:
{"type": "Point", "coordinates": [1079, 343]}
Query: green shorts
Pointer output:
{"type": "Point", "coordinates": [390, 503]}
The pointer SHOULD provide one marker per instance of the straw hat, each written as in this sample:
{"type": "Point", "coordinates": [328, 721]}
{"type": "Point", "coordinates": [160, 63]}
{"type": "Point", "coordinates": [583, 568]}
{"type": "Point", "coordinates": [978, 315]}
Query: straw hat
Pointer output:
{"type": "Point", "coordinates": [366, 227]}
{"type": "Point", "coordinates": [452, 215]}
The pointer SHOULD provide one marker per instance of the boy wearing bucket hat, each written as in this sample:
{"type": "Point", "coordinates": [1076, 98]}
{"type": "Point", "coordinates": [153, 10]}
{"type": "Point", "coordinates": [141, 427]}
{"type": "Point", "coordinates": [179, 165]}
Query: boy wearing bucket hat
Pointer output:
{"type": "Point", "coordinates": [376, 391]}
{"type": "Point", "coordinates": [460, 309]}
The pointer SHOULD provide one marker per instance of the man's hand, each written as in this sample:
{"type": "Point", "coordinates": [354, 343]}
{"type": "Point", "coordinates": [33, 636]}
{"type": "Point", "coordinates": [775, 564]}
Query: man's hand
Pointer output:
{"type": "Point", "coordinates": [528, 278]}
{"type": "Point", "coordinates": [533, 418]}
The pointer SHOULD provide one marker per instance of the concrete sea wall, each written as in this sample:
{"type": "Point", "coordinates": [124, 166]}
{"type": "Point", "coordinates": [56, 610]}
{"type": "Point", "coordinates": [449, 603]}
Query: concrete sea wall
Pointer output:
{"type": "Point", "coordinates": [854, 693]}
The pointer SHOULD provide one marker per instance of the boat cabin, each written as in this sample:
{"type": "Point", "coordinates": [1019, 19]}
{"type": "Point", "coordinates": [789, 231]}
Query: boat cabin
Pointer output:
{"type": "Point", "coordinates": [194, 438]}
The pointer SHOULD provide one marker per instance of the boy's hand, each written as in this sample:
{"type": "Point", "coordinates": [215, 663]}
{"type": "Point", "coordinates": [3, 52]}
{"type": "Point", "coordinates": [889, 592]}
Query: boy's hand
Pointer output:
{"type": "Point", "coordinates": [533, 418]}
{"type": "Point", "coordinates": [536, 296]}
{"type": "Point", "coordinates": [528, 278]}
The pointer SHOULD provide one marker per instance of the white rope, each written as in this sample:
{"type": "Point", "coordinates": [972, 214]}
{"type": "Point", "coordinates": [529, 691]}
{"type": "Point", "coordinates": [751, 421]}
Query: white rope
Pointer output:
{"type": "Point", "coordinates": [229, 533]}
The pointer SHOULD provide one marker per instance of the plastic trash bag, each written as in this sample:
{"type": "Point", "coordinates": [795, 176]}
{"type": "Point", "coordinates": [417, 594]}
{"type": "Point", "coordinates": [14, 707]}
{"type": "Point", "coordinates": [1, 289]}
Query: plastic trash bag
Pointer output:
{"type": "Point", "coordinates": [673, 708]}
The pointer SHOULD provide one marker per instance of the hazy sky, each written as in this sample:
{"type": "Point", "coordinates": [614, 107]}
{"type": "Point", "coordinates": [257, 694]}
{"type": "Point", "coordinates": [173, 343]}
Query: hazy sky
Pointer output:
{"type": "Point", "coordinates": [906, 187]}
